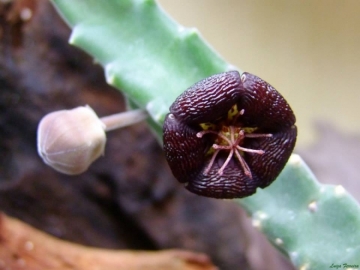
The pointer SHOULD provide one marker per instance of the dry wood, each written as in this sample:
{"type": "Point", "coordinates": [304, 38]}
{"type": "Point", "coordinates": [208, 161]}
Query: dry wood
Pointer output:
{"type": "Point", "coordinates": [24, 247]}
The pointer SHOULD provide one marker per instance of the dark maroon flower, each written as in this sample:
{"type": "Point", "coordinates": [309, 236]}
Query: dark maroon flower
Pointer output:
{"type": "Point", "coordinates": [227, 135]}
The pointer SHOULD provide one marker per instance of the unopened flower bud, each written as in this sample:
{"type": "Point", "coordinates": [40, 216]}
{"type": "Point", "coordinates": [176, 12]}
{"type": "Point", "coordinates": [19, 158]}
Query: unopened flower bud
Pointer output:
{"type": "Point", "coordinates": [70, 140]}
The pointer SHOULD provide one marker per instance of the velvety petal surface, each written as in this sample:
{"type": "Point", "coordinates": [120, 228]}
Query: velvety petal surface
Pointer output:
{"type": "Point", "coordinates": [278, 148]}
{"type": "Point", "coordinates": [264, 106]}
{"type": "Point", "coordinates": [184, 152]}
{"type": "Point", "coordinates": [232, 184]}
{"type": "Point", "coordinates": [208, 99]}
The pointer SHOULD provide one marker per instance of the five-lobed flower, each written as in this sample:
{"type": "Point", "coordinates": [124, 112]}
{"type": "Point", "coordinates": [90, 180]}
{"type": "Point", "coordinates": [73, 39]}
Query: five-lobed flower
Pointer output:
{"type": "Point", "coordinates": [229, 134]}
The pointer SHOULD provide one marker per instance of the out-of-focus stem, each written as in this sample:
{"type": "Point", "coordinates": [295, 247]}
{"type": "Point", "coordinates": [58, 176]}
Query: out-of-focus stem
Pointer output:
{"type": "Point", "coordinates": [123, 119]}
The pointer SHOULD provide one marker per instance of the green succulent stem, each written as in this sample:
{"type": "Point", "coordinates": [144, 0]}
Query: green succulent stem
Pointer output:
{"type": "Point", "coordinates": [152, 60]}
{"type": "Point", "coordinates": [146, 54]}
{"type": "Point", "coordinates": [315, 225]}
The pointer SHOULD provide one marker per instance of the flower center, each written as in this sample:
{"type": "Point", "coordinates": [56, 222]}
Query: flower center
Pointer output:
{"type": "Point", "coordinates": [229, 139]}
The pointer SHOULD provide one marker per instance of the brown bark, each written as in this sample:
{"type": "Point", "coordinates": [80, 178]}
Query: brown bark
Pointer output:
{"type": "Point", "coordinates": [23, 247]}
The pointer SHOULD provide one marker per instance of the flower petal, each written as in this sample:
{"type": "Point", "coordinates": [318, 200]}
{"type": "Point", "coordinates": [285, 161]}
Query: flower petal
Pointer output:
{"type": "Point", "coordinates": [183, 150]}
{"type": "Point", "coordinates": [264, 106]}
{"type": "Point", "coordinates": [278, 148]}
{"type": "Point", "coordinates": [208, 99]}
{"type": "Point", "coordinates": [232, 184]}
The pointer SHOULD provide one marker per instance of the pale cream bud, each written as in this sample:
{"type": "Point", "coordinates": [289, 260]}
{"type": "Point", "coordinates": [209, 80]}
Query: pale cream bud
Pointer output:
{"type": "Point", "coordinates": [70, 140]}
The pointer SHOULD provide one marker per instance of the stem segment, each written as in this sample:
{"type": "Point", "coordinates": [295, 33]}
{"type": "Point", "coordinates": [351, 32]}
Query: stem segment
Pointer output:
{"type": "Point", "coordinates": [123, 119]}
